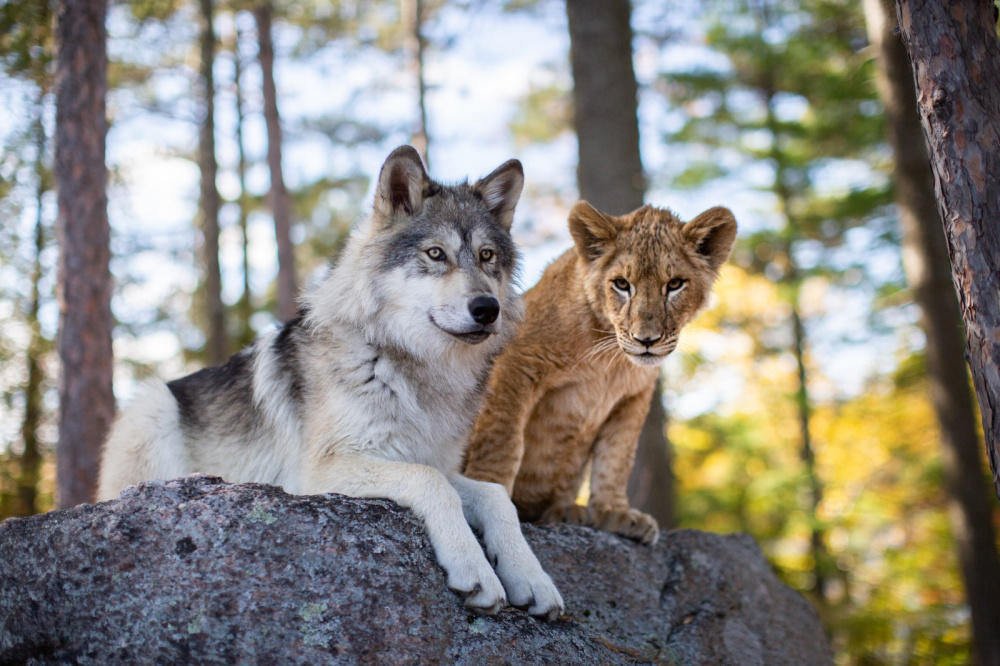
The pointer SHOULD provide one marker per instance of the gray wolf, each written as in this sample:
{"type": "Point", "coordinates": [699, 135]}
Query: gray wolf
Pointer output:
{"type": "Point", "coordinates": [373, 389]}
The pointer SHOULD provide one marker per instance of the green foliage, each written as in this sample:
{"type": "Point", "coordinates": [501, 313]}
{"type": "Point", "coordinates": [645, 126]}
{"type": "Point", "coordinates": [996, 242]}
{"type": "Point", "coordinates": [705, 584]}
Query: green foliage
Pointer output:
{"type": "Point", "coordinates": [158, 10]}
{"type": "Point", "coordinates": [697, 174]}
{"type": "Point", "coordinates": [26, 46]}
{"type": "Point", "coordinates": [542, 115]}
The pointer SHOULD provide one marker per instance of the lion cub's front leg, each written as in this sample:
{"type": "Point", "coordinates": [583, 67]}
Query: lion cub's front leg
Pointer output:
{"type": "Point", "coordinates": [614, 453]}
{"type": "Point", "coordinates": [496, 446]}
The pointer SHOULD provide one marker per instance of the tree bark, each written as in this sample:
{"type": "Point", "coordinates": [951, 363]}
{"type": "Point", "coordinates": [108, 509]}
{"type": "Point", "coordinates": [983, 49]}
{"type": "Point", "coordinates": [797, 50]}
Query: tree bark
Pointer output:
{"type": "Point", "coordinates": [955, 59]}
{"type": "Point", "coordinates": [86, 400]}
{"type": "Point", "coordinates": [925, 261]}
{"type": "Point", "coordinates": [609, 176]}
{"type": "Point", "coordinates": [281, 203]}
{"type": "Point", "coordinates": [216, 345]}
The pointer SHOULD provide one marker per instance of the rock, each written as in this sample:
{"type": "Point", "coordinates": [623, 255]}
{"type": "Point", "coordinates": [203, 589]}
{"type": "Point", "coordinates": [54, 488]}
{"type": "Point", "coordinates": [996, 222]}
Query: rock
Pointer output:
{"type": "Point", "coordinates": [201, 571]}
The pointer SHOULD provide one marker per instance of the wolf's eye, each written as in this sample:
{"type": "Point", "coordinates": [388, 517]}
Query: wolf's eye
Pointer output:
{"type": "Point", "coordinates": [485, 254]}
{"type": "Point", "coordinates": [675, 284]}
{"type": "Point", "coordinates": [621, 284]}
{"type": "Point", "coordinates": [436, 253]}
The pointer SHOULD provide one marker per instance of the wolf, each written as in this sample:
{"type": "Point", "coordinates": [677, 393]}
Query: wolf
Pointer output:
{"type": "Point", "coordinates": [372, 390]}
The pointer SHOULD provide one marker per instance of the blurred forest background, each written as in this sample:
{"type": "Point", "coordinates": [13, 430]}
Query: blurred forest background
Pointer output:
{"type": "Point", "coordinates": [821, 404]}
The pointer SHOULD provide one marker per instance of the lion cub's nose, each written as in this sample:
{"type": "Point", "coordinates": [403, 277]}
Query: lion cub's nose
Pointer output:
{"type": "Point", "coordinates": [646, 341]}
{"type": "Point", "coordinates": [484, 309]}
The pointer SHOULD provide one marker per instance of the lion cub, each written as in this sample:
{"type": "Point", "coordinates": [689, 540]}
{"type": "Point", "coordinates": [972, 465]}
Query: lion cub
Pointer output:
{"type": "Point", "coordinates": [575, 384]}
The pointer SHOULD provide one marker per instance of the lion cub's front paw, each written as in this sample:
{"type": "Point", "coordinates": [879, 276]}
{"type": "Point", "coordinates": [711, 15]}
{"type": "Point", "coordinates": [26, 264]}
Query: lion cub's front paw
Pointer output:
{"type": "Point", "coordinates": [574, 514]}
{"type": "Point", "coordinates": [631, 523]}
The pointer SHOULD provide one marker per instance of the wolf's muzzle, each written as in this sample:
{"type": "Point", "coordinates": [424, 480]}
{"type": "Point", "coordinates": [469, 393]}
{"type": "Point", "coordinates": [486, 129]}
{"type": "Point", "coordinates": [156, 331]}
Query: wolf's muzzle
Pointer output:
{"type": "Point", "coordinates": [484, 309]}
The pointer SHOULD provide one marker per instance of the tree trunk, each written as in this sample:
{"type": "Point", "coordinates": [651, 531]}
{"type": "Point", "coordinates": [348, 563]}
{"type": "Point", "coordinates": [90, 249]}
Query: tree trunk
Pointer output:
{"type": "Point", "coordinates": [817, 541]}
{"type": "Point", "coordinates": [415, 11]}
{"type": "Point", "coordinates": [609, 171]}
{"type": "Point", "coordinates": [86, 400]}
{"type": "Point", "coordinates": [609, 175]}
{"type": "Point", "coordinates": [281, 203]}
{"type": "Point", "coordinates": [216, 346]}
{"type": "Point", "coordinates": [30, 465]}
{"type": "Point", "coordinates": [244, 307]}
{"type": "Point", "coordinates": [651, 484]}
{"type": "Point", "coordinates": [925, 260]}
{"type": "Point", "coordinates": [955, 58]}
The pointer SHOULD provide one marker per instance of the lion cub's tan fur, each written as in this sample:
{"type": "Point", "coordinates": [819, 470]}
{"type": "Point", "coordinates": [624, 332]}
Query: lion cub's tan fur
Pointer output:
{"type": "Point", "coordinates": [575, 384]}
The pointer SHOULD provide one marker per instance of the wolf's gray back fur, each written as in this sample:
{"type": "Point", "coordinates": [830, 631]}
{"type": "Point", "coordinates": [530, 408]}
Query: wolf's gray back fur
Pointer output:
{"type": "Point", "coordinates": [373, 388]}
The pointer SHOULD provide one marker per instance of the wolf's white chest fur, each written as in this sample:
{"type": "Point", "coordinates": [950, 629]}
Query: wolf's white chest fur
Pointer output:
{"type": "Point", "coordinates": [386, 403]}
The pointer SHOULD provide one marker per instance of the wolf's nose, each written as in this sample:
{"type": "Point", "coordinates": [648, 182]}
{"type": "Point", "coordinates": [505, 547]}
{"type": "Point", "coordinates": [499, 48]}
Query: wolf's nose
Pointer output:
{"type": "Point", "coordinates": [484, 309]}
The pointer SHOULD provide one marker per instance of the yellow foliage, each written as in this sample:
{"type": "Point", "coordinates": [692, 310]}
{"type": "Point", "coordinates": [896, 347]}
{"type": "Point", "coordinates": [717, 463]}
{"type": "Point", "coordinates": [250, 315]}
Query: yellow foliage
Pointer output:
{"type": "Point", "coordinates": [882, 513]}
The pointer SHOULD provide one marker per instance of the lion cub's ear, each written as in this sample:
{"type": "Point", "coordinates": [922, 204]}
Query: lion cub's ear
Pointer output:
{"type": "Point", "coordinates": [501, 190]}
{"type": "Point", "coordinates": [712, 234]}
{"type": "Point", "coordinates": [593, 231]}
{"type": "Point", "coordinates": [402, 183]}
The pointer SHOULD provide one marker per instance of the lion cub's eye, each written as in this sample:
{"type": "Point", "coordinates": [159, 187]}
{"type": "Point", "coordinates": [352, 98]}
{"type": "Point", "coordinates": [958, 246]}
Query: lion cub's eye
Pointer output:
{"type": "Point", "coordinates": [675, 284]}
{"type": "Point", "coordinates": [485, 254]}
{"type": "Point", "coordinates": [621, 284]}
{"type": "Point", "coordinates": [435, 253]}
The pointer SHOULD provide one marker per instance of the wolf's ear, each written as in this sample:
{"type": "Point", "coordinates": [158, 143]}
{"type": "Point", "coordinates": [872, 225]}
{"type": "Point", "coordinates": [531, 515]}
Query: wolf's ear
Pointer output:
{"type": "Point", "coordinates": [401, 184]}
{"type": "Point", "coordinates": [712, 234]}
{"type": "Point", "coordinates": [593, 231]}
{"type": "Point", "coordinates": [501, 190]}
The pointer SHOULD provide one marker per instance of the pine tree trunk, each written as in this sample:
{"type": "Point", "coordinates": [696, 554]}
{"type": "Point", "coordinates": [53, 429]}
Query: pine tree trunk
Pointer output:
{"type": "Point", "coordinates": [928, 272]}
{"type": "Point", "coordinates": [216, 345]}
{"type": "Point", "coordinates": [817, 540]}
{"type": "Point", "coordinates": [955, 58]}
{"type": "Point", "coordinates": [281, 203]}
{"type": "Point", "coordinates": [31, 457]}
{"type": "Point", "coordinates": [86, 400]}
{"type": "Point", "coordinates": [609, 175]}
{"type": "Point", "coordinates": [609, 171]}
{"type": "Point", "coordinates": [245, 306]}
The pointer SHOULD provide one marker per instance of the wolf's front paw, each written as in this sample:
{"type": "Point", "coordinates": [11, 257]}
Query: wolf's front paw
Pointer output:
{"type": "Point", "coordinates": [541, 598]}
{"type": "Point", "coordinates": [529, 587]}
{"type": "Point", "coordinates": [473, 578]}
{"type": "Point", "coordinates": [574, 514]}
{"type": "Point", "coordinates": [631, 523]}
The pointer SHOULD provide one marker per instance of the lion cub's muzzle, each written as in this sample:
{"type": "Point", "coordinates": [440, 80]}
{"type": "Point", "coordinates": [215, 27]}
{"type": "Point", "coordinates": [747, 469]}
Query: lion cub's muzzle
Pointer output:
{"type": "Point", "coordinates": [646, 347]}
